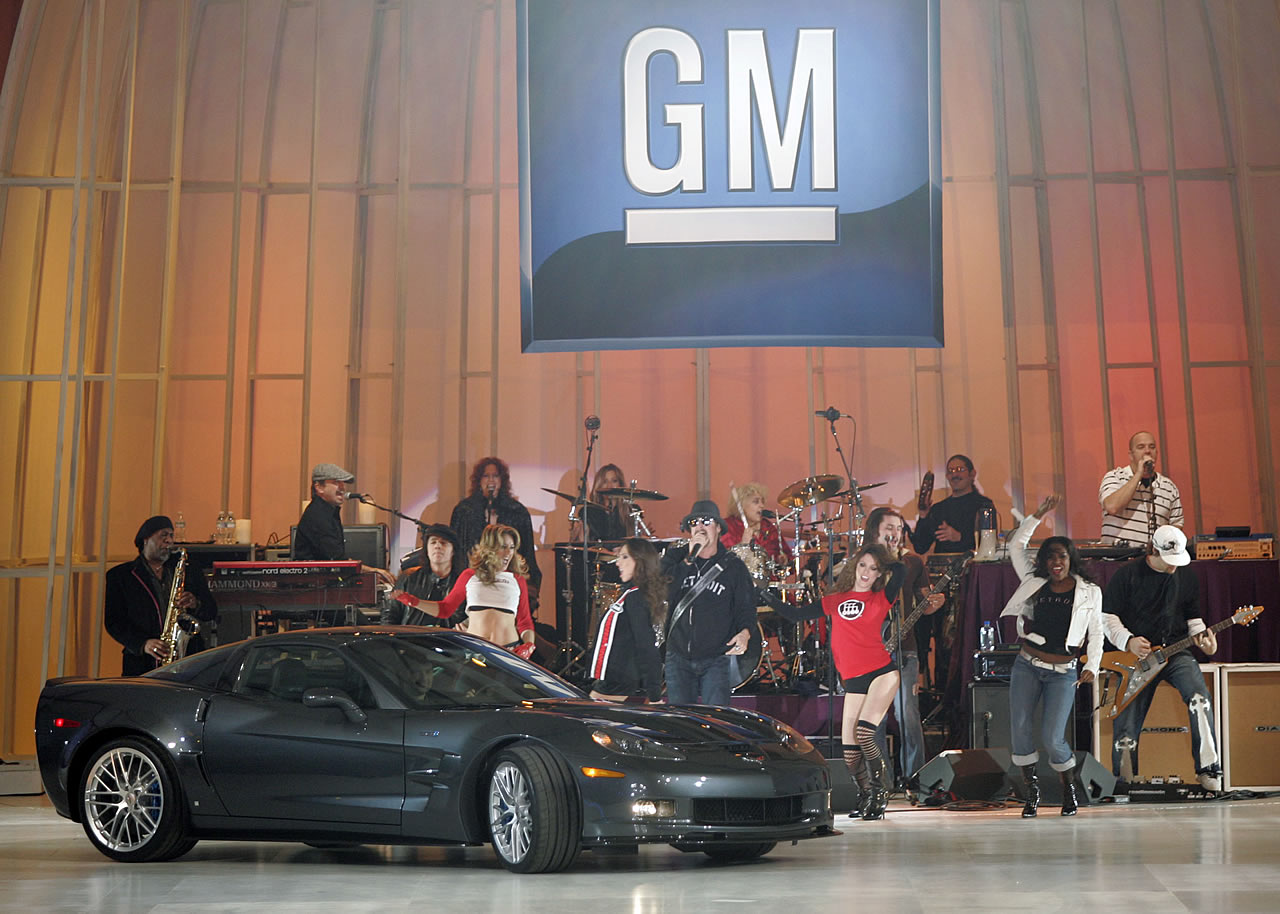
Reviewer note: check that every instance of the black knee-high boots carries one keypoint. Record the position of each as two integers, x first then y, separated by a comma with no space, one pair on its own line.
1032,782
878,799
858,771
1069,792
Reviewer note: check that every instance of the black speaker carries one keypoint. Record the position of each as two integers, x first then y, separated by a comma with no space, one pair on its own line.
989,716
966,774
1093,782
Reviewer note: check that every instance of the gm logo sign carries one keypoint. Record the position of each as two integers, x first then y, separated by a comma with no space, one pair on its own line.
729,173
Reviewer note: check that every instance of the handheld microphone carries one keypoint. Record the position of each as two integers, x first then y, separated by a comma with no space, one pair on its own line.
831,414
592,423
765,512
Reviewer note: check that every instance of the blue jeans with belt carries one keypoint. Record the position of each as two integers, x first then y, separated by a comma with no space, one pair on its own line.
1030,685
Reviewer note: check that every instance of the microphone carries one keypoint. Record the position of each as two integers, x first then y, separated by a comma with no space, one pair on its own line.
831,414
358,496
765,512
592,423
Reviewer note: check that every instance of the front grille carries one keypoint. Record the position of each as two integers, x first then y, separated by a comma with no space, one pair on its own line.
740,811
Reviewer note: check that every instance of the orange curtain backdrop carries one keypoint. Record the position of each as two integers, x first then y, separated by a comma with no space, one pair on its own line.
241,238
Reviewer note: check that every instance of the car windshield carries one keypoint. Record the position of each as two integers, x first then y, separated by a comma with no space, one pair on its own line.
433,672
202,669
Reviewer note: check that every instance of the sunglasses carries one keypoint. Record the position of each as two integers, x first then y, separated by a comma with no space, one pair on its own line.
701,522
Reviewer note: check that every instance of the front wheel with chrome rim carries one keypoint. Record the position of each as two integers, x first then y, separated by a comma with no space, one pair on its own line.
132,806
535,817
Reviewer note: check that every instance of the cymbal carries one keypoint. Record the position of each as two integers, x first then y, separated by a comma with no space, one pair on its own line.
572,498
810,491
633,494
871,485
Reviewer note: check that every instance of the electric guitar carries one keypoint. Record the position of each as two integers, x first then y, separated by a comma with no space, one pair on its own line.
944,580
1135,675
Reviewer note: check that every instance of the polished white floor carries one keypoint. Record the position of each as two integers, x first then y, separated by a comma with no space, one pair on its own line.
1213,856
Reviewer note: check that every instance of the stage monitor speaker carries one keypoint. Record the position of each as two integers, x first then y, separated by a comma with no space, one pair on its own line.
366,542
989,716
1251,726
1164,748
1094,783
966,774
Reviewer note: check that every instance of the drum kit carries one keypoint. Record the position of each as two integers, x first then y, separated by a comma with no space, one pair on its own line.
783,651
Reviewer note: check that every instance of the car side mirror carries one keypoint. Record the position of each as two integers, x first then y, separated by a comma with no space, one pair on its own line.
335,698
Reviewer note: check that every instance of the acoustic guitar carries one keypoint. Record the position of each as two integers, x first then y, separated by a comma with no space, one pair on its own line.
1136,674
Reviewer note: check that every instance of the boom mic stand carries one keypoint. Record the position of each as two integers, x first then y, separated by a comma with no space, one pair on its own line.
570,651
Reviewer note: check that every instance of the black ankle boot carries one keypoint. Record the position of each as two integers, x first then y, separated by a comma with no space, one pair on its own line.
878,798
1069,792
1032,782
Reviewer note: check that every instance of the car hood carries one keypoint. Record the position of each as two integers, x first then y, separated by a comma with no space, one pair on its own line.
684,725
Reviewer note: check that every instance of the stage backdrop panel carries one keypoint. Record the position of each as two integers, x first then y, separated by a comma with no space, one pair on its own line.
729,173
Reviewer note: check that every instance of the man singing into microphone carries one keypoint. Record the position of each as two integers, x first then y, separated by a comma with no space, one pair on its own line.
1136,500
490,502
319,536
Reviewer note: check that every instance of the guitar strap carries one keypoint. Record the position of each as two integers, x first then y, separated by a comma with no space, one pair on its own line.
703,582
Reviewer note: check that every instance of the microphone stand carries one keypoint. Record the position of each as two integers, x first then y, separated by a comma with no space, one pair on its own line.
571,651
858,518
366,500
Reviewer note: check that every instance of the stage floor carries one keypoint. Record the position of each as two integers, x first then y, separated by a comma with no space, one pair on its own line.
1208,856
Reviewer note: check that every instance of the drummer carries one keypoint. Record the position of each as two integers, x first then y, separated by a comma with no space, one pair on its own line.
749,524
606,515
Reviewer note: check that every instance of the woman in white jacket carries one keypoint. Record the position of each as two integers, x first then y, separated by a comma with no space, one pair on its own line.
1058,607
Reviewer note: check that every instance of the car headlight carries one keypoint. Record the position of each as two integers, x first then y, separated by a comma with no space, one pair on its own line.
639,746
792,738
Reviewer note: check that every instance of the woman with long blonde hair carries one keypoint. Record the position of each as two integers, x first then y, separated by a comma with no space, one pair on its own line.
495,592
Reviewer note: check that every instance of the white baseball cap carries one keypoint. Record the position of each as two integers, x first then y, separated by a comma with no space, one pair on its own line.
1171,545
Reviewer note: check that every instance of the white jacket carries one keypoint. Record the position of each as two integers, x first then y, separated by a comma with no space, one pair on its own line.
1086,611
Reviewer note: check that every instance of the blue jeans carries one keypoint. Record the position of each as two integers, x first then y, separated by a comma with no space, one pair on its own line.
1030,685
688,679
1183,673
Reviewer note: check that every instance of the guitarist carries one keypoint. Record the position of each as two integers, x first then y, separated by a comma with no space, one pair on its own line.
886,527
1149,602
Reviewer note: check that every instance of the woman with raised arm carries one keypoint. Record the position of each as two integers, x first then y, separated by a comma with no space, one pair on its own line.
1058,607
861,600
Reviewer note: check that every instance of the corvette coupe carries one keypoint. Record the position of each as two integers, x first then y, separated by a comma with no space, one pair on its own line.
391,735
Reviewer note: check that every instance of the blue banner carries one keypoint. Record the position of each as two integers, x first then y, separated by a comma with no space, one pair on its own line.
729,173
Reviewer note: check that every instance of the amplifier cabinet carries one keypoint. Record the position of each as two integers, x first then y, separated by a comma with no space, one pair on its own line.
1251,725
1164,748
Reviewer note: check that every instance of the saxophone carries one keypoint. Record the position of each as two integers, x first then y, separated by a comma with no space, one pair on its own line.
178,626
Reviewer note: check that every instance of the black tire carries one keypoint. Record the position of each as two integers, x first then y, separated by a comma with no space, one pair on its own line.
728,852
132,806
535,816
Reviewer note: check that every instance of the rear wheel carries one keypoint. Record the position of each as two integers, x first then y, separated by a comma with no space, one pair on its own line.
132,804
535,817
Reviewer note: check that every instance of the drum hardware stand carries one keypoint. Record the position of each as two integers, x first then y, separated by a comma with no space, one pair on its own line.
570,651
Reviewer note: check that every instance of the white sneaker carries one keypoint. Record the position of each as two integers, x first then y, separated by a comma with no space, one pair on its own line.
1210,781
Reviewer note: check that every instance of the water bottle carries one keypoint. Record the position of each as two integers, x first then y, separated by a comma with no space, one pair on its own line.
220,529
987,637
231,528
180,529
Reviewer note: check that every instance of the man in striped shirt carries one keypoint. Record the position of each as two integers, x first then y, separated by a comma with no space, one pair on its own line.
1136,500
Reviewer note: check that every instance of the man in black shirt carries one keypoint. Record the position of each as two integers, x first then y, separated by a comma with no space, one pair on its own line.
949,525
319,536
431,577
713,611
1153,601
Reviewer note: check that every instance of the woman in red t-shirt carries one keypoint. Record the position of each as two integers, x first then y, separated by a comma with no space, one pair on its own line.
858,606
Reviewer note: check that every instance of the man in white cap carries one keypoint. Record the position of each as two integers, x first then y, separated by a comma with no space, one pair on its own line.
1151,602
319,536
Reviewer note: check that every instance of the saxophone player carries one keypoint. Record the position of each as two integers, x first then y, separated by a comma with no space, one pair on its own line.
137,594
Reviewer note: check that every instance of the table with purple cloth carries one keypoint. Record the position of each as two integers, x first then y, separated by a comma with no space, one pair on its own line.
1225,586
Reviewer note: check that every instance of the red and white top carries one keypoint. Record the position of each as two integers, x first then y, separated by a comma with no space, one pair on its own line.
857,619
508,593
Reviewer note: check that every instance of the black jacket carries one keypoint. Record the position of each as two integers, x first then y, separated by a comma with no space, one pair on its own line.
319,537
961,512
717,613
468,521
134,607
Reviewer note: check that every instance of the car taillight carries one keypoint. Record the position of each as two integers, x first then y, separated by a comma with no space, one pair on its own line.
65,722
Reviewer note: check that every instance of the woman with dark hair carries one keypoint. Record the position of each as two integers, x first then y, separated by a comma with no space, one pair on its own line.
490,502
1058,606
608,521
626,659
494,591
861,600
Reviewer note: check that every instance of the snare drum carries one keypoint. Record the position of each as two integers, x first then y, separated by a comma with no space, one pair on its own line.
757,561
